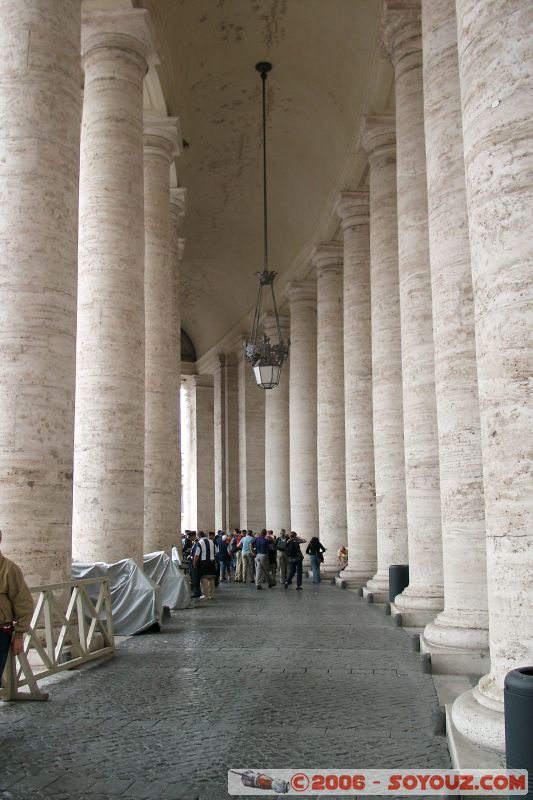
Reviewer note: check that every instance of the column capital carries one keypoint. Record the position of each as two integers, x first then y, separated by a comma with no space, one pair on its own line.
401,29
178,198
200,381
328,256
353,208
161,136
301,292
226,360
129,30
268,323
378,133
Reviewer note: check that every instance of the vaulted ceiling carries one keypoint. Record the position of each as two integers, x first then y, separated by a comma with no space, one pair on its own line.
328,70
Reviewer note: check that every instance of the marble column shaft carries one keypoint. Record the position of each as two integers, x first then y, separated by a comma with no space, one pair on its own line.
219,410
227,442
251,447
464,621
302,408
353,209
277,462
424,596
161,443
201,454
109,429
495,43
40,116
379,141
177,245
328,260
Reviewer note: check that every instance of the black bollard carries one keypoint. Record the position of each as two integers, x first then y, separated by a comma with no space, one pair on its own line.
398,579
518,705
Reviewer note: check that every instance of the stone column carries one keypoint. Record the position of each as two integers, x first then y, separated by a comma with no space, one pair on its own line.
227,511
185,451
379,141
463,625
353,210
423,598
251,446
219,409
40,103
109,432
277,467
331,472
161,443
302,408
495,45
201,454
177,245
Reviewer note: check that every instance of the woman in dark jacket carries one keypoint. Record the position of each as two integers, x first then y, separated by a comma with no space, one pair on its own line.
314,550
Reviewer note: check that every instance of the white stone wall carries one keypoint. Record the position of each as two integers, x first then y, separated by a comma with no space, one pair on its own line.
353,209
277,462
40,104
379,141
496,78
424,596
328,260
109,430
303,409
251,448
464,621
161,443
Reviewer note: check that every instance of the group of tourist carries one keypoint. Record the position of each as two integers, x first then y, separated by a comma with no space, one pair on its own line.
261,559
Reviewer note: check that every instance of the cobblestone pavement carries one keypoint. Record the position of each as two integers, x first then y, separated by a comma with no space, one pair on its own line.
275,679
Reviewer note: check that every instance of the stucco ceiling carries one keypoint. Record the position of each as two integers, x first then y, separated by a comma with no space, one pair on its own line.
324,54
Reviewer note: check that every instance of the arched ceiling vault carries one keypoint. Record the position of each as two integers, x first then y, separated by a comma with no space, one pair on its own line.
327,72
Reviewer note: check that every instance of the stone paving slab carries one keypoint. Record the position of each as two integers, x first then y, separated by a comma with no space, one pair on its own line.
253,679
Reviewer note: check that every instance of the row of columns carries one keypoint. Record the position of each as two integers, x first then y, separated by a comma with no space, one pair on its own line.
92,221
409,401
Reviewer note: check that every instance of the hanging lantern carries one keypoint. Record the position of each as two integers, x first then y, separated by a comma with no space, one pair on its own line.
265,357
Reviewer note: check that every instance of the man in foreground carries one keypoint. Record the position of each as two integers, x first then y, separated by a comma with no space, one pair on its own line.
16,609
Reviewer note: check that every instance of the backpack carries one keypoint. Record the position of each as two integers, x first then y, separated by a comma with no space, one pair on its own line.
292,548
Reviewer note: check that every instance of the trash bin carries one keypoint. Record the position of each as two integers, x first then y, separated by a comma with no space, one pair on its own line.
518,705
398,579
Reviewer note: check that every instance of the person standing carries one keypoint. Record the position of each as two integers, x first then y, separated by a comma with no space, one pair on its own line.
272,558
16,609
205,564
262,565
281,543
224,558
314,550
295,556
247,558
237,539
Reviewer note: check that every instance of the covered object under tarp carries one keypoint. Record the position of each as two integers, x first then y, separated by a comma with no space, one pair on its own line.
175,591
135,599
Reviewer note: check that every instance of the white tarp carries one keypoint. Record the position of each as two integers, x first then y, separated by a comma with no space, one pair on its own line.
135,599
175,590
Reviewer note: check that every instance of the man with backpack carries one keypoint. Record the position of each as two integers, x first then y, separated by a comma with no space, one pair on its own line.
281,544
295,557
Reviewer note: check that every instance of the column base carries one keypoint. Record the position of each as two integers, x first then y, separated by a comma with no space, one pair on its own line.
411,618
418,607
465,754
480,720
354,579
380,596
455,660
379,584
